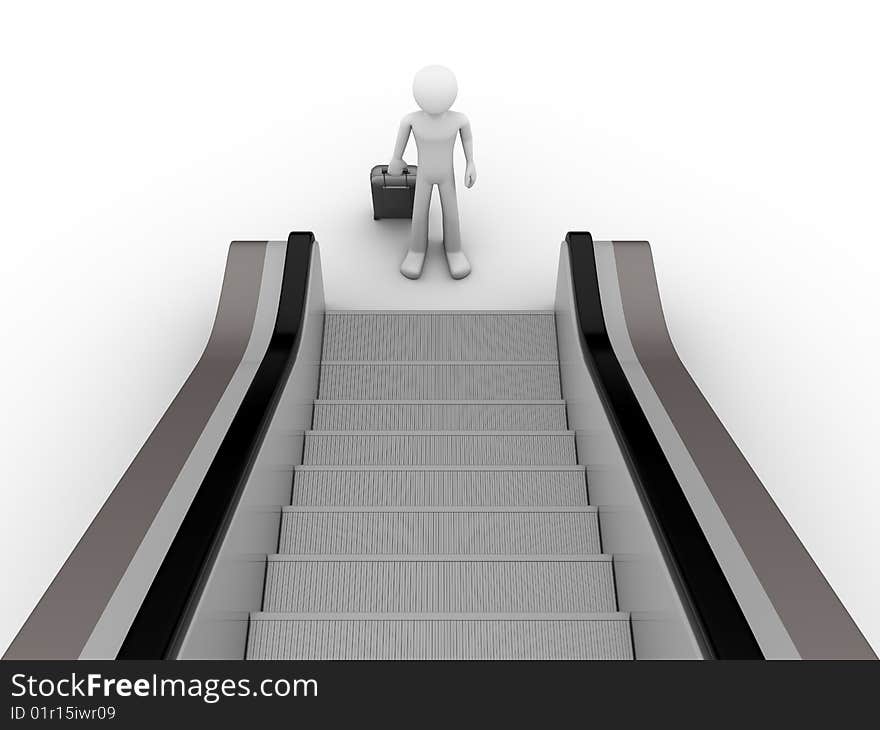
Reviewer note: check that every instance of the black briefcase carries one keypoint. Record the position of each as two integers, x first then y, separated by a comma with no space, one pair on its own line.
393,195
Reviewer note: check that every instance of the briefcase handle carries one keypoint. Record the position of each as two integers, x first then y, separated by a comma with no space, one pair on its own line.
405,173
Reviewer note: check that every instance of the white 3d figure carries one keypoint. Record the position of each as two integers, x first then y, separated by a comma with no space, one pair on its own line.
435,129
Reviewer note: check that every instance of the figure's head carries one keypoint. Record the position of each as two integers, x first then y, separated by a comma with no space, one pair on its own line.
435,88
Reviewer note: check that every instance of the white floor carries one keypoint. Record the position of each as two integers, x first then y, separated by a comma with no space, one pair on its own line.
361,257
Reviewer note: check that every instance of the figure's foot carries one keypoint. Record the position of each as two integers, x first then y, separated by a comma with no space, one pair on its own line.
412,265
459,266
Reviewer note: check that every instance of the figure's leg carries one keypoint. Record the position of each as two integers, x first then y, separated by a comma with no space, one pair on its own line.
412,265
459,266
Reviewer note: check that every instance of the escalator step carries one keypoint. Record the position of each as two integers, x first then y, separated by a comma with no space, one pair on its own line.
451,486
439,336
403,584
401,448
439,636
439,381
440,415
439,531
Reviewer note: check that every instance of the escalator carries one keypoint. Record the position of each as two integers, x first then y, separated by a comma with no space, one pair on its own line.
439,485
440,511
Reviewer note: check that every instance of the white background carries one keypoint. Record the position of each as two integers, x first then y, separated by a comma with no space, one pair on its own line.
740,140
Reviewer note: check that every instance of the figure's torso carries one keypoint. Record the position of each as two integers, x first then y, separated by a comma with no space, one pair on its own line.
435,140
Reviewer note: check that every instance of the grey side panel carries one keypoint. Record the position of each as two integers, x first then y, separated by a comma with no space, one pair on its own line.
811,613
660,626
106,640
219,624
756,606
68,612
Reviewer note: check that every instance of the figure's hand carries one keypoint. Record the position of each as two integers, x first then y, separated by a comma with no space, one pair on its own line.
470,175
396,167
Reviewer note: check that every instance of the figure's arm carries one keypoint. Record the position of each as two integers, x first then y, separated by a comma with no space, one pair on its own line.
467,141
396,166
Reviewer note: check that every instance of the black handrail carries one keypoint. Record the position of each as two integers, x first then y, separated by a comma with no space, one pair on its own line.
166,606
724,630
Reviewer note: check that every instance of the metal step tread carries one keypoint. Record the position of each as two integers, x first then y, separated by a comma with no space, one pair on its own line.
446,335
580,468
440,363
455,312
429,415
439,636
426,616
439,414
441,508
430,585
468,530
439,447
421,434
350,402
439,381
445,485
402,557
